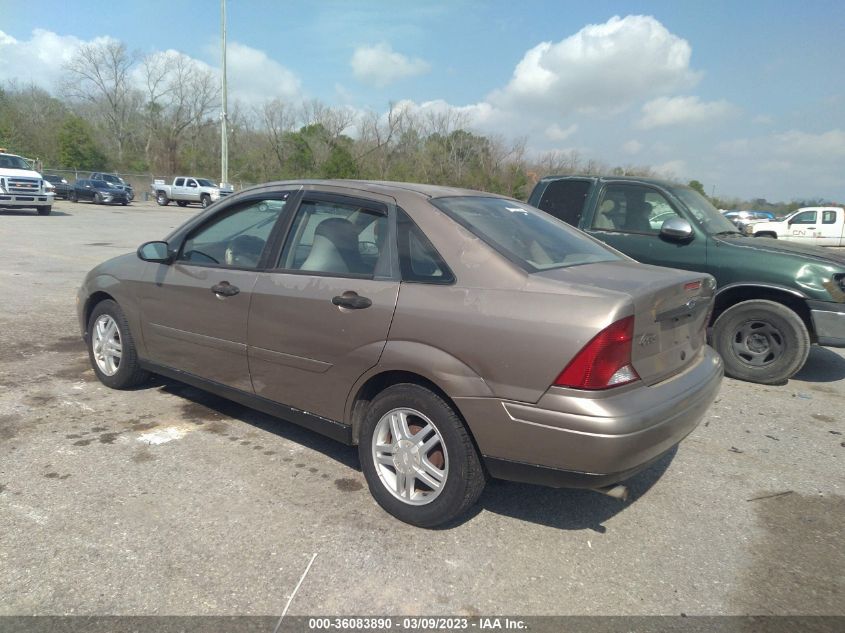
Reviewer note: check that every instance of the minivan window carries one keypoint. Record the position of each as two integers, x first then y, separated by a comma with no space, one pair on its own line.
528,237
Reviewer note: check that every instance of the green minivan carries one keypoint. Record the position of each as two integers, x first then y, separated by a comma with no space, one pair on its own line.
774,299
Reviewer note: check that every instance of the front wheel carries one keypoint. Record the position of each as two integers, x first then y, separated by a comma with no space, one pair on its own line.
73,197
162,199
44,210
417,456
205,200
111,348
761,341
98,199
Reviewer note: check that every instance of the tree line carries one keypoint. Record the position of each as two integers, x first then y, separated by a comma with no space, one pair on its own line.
115,110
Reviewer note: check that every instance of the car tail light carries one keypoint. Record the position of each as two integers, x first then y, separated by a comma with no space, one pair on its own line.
605,361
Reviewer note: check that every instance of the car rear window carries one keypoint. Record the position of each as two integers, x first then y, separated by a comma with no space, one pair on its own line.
528,237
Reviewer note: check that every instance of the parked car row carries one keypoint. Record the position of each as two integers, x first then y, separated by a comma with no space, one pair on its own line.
363,311
100,188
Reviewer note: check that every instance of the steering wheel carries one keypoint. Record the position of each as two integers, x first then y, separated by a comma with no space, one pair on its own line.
195,256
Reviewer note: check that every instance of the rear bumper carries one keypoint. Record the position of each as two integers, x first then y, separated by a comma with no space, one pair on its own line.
829,322
572,438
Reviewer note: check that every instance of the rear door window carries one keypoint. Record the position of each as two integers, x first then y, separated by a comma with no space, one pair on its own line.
829,217
565,199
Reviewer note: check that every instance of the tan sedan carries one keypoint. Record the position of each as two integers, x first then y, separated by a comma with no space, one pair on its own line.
452,335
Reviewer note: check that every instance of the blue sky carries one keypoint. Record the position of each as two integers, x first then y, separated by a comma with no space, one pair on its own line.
747,97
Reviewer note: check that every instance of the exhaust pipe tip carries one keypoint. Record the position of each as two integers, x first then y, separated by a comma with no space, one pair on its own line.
617,491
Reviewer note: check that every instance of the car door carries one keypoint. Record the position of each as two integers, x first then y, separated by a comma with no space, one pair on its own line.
628,216
830,228
84,190
178,190
803,228
195,310
192,190
321,318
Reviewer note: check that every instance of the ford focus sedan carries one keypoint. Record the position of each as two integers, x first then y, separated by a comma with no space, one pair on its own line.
451,335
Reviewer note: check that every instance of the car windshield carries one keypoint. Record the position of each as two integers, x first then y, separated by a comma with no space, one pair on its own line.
101,184
13,162
205,183
528,237
704,213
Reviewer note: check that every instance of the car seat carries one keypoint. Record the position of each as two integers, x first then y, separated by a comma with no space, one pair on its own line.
335,248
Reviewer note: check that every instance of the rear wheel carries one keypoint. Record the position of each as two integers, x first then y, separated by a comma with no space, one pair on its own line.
418,458
761,341
72,196
162,199
111,348
44,210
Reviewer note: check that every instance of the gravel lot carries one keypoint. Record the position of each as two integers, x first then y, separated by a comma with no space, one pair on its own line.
169,501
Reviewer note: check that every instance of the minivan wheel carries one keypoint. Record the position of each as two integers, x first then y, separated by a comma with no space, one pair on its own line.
761,341
418,458
111,348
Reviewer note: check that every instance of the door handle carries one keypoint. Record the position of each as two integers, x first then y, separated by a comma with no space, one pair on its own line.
352,301
225,289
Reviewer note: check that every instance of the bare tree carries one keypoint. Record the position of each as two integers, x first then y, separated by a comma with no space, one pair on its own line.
99,74
181,95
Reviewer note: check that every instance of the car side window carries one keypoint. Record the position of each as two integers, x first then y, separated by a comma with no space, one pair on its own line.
419,261
236,237
179,182
632,209
335,239
828,217
565,199
805,217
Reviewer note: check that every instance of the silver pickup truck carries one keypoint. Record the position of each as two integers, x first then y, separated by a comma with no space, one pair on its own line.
187,189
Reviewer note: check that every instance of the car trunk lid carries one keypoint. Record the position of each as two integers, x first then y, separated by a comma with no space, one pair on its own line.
671,309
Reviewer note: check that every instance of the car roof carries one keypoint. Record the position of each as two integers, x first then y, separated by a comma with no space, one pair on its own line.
388,188
633,179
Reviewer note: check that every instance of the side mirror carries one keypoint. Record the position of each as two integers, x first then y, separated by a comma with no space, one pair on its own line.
158,252
676,229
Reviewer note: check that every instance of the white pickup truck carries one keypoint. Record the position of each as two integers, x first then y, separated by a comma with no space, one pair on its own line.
21,187
187,189
821,226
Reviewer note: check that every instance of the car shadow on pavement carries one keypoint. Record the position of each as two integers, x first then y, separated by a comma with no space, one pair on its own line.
29,212
202,407
823,365
567,508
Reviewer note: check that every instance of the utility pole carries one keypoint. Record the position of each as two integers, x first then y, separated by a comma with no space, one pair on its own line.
224,135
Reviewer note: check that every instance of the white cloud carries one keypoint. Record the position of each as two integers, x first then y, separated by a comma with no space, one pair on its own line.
555,133
665,111
603,68
39,59
632,147
380,65
253,77
824,146
672,169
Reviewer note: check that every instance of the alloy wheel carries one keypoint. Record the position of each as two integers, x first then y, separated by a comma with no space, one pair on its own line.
107,345
410,456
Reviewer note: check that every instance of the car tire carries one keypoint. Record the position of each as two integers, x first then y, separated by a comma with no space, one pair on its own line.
98,199
44,210
761,341
124,372
181,203
425,420
73,197
205,200
124,203
162,199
